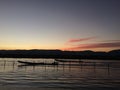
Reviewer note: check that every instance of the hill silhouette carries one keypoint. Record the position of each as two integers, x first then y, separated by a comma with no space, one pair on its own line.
114,54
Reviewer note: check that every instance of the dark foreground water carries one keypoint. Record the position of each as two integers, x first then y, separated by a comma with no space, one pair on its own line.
86,74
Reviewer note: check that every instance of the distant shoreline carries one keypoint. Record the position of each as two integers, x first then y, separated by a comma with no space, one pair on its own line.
111,55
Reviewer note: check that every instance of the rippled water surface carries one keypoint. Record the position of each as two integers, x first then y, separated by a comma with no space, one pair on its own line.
100,73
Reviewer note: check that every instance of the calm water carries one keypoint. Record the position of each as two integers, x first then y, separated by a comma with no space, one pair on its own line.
89,73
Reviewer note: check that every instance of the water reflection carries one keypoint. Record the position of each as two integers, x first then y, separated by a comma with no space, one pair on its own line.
88,73
6,66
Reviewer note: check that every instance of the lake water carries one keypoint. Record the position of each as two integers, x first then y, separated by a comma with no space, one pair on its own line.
89,73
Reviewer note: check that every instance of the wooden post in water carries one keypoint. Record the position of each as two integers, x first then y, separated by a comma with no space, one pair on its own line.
69,65
33,67
13,64
45,65
94,64
4,64
45,69
63,66
79,61
108,65
81,66
57,66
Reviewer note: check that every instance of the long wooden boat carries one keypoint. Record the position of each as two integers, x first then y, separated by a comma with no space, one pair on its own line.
68,60
35,63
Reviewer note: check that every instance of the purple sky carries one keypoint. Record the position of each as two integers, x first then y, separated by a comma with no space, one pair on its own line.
50,24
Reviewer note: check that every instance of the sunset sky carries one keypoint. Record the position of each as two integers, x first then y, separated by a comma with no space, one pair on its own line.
60,24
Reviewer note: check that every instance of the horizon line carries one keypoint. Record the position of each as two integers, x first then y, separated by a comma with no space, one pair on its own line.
55,49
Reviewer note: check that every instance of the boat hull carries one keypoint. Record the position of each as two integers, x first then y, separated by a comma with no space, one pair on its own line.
33,63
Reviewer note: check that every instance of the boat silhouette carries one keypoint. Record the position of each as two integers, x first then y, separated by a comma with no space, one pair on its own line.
35,63
68,60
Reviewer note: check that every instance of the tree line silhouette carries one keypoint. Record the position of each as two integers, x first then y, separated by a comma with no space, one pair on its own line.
114,54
